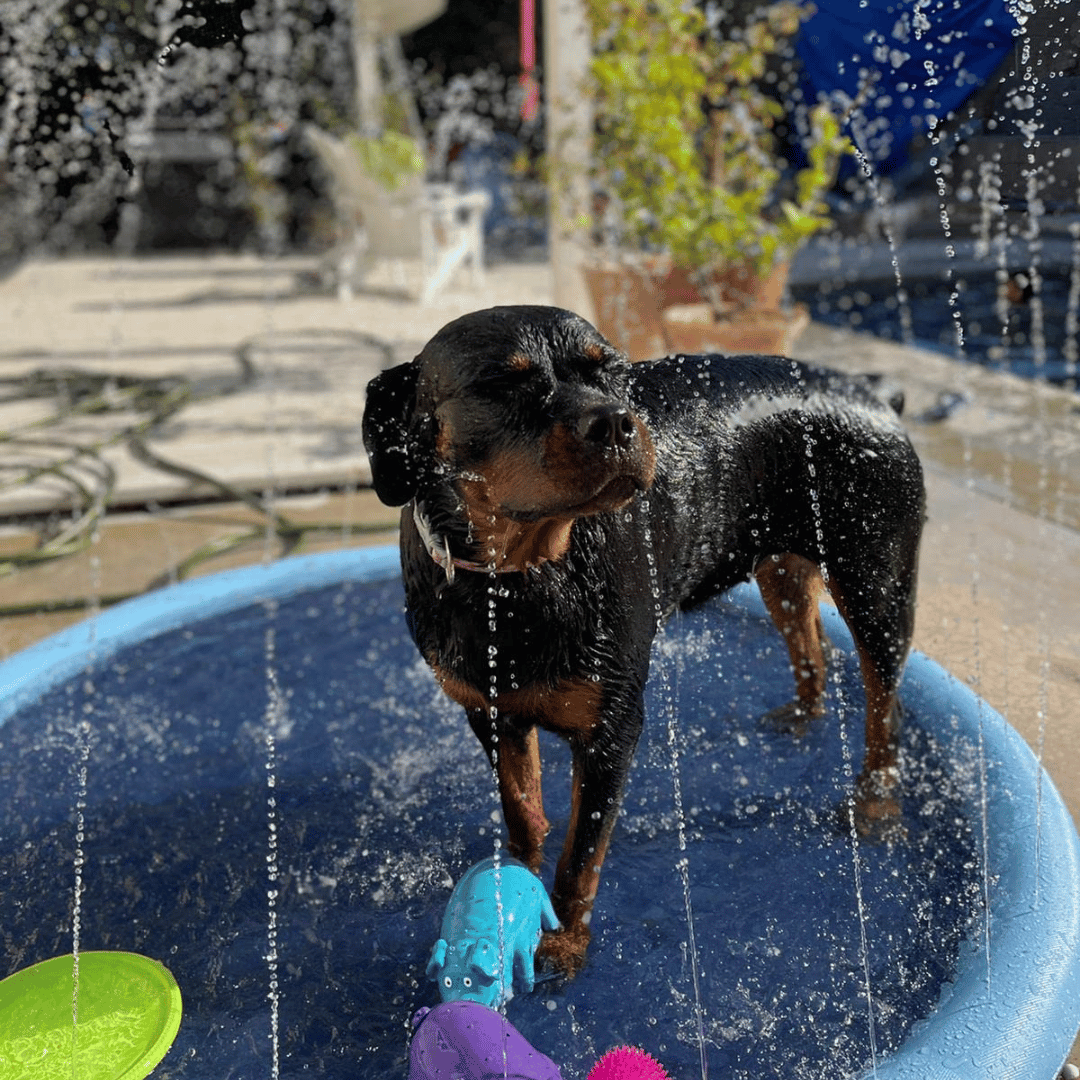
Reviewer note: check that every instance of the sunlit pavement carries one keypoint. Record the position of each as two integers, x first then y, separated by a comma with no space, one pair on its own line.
1001,557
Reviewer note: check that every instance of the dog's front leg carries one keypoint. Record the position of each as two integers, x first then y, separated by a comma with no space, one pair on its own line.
514,752
601,762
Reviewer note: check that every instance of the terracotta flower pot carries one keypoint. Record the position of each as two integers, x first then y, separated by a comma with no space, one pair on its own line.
632,295
742,287
693,328
626,300
628,296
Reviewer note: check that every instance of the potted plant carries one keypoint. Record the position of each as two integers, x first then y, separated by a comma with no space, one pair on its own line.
685,164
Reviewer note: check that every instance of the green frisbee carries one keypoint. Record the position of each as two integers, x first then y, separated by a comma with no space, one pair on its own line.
117,1024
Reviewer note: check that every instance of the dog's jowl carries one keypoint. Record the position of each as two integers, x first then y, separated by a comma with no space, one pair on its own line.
521,443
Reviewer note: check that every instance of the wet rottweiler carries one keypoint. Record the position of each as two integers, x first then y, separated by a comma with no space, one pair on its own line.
560,502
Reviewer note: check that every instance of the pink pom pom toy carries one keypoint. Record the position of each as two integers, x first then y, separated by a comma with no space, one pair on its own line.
627,1063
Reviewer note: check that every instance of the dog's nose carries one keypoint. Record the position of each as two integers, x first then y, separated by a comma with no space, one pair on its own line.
611,426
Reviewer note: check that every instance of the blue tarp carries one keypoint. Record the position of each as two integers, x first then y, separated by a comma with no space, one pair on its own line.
909,64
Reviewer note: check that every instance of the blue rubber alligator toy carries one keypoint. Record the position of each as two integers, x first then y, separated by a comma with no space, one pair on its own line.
472,961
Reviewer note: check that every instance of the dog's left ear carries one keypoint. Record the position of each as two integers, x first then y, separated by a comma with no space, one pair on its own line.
388,415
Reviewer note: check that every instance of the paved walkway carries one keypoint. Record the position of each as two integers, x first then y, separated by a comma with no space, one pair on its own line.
276,371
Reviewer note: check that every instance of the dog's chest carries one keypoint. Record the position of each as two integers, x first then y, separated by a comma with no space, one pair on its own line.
576,620
490,631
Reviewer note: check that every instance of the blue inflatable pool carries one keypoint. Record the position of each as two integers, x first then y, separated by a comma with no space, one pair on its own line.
268,740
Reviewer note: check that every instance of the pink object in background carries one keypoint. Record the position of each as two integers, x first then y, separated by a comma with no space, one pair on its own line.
627,1063
530,102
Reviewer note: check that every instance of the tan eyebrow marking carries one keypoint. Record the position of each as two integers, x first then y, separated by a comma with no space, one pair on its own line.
519,362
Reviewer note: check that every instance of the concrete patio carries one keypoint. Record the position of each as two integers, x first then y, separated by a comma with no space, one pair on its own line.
274,374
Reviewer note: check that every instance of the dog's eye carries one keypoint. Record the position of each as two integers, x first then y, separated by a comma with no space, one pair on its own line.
507,378
598,368
502,381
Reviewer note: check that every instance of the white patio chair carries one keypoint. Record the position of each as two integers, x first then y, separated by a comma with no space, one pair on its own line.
441,226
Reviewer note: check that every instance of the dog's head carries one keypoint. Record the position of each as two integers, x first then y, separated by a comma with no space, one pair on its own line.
522,410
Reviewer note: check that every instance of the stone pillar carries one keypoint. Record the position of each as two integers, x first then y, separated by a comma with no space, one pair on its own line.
568,134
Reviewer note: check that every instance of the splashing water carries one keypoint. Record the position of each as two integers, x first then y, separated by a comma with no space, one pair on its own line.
275,724
856,869
955,314
670,696
841,720
1031,125
987,189
83,732
1072,310
882,203
493,591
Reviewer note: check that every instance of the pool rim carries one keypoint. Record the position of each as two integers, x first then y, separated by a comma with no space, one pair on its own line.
1020,1023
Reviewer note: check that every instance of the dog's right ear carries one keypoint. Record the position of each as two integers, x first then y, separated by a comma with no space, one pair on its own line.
388,415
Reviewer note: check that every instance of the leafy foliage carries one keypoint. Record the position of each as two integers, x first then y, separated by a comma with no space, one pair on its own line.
685,140
390,158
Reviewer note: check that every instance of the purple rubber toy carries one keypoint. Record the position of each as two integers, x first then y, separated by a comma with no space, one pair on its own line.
464,1040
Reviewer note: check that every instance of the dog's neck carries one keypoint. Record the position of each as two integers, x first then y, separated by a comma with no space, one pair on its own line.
438,547
513,548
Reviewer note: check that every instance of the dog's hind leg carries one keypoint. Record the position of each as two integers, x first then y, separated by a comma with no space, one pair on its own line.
790,586
880,613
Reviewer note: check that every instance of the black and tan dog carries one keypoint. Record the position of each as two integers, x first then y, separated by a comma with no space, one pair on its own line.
560,501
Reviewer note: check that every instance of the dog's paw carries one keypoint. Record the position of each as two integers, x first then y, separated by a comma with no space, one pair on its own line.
793,717
563,951
875,808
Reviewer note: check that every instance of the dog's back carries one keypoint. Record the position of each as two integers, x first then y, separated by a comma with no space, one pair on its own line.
758,455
